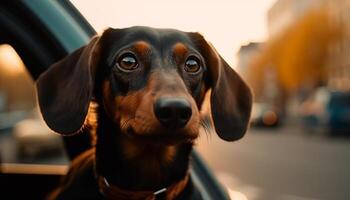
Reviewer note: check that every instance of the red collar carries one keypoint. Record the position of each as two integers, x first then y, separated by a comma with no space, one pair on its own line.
112,192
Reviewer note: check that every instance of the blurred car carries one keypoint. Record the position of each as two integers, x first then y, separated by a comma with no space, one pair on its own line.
327,111
264,115
43,32
9,119
312,111
34,139
338,111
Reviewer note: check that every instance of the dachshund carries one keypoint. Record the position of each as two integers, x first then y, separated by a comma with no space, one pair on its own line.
148,86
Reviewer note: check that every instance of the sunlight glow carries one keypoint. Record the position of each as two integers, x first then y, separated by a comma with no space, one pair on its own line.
235,195
10,62
226,23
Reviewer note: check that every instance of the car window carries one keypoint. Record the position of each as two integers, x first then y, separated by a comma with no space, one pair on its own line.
24,137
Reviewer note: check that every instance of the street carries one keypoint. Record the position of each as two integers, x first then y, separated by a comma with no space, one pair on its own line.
281,164
271,164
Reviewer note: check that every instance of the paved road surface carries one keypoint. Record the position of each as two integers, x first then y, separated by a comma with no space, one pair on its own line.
281,164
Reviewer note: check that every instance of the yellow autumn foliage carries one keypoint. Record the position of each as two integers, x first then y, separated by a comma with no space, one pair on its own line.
299,55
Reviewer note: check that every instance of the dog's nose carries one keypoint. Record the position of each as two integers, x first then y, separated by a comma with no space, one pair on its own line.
173,112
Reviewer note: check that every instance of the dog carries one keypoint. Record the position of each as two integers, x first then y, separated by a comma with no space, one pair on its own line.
149,86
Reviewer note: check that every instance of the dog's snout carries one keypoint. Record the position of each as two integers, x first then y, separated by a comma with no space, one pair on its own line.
173,112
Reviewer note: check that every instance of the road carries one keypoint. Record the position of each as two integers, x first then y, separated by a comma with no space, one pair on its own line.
271,164
281,164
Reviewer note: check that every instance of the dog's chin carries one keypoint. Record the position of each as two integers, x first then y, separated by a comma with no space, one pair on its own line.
163,137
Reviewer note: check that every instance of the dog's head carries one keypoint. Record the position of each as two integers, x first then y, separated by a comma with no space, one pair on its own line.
151,84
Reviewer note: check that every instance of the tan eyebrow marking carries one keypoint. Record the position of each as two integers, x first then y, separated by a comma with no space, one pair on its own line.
141,46
180,49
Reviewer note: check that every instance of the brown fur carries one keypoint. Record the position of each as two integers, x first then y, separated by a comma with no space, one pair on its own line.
134,149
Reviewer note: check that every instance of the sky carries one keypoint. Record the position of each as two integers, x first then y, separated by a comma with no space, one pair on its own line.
227,24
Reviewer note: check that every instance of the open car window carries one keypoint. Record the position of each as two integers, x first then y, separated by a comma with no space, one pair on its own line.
24,136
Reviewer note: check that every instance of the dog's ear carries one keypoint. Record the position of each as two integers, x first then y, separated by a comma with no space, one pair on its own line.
65,89
231,98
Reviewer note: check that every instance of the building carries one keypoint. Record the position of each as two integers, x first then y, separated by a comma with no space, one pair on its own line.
284,12
339,59
246,55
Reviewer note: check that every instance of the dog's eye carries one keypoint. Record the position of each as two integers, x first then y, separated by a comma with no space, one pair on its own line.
192,64
127,62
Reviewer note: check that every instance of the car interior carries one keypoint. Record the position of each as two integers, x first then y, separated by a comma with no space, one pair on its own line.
23,33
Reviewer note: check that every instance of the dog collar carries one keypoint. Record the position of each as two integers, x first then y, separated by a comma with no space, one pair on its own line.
112,192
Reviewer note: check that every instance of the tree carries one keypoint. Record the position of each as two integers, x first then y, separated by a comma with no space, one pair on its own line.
298,55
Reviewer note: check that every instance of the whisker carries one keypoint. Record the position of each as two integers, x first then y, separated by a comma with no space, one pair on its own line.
207,125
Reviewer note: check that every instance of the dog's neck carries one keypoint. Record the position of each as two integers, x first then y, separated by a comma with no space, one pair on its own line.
135,165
